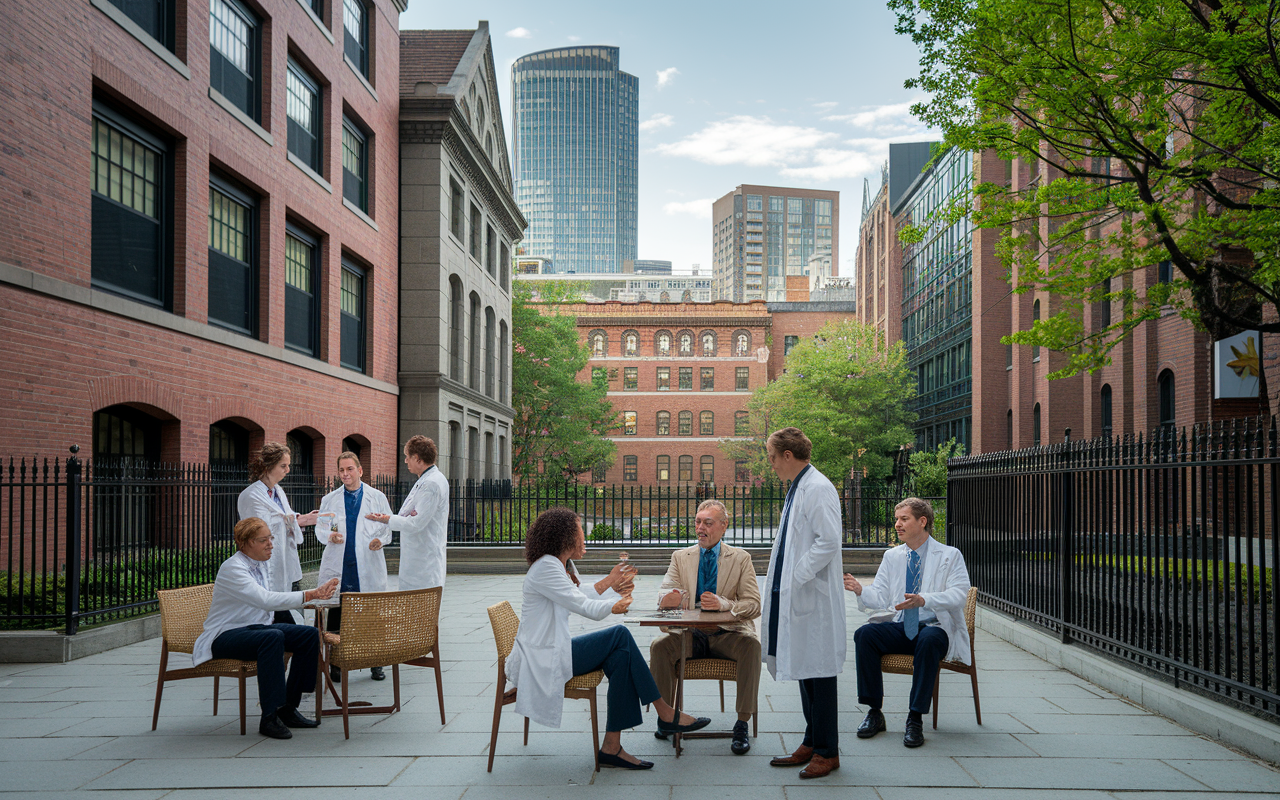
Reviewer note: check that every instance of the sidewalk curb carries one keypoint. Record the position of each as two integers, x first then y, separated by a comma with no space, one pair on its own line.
1202,715
52,647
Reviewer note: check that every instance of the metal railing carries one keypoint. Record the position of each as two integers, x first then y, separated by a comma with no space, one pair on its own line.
1158,551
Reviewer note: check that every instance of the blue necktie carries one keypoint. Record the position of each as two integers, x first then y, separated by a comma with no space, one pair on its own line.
707,572
911,617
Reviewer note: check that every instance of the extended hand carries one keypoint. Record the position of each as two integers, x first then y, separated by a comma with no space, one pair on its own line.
336,538
710,602
625,588
321,592
620,574
383,518
671,600
308,519
851,584
912,601
375,545
622,605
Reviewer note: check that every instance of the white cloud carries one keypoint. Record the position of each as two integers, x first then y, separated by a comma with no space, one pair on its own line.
754,141
827,106
575,38
657,121
891,120
698,209
666,76
520,33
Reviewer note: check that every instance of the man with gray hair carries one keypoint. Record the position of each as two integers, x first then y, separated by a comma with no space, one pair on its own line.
717,577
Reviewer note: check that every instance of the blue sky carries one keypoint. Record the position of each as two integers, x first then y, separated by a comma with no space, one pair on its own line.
780,93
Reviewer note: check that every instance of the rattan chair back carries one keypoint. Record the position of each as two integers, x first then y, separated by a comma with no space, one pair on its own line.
182,615
505,623
380,628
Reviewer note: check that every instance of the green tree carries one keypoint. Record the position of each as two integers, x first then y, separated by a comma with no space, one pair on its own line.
847,392
560,423
1151,128
929,470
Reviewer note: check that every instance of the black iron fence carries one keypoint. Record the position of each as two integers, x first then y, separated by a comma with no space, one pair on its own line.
88,542
1159,551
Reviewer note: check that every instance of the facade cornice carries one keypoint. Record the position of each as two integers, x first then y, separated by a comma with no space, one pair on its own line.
593,321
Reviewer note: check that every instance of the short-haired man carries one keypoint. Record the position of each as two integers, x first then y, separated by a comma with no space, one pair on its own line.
239,626
719,577
423,519
926,584
353,543
803,620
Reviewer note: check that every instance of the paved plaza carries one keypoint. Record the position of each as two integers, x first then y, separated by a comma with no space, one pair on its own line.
83,730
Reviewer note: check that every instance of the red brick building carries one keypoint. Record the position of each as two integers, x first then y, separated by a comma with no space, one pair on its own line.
198,230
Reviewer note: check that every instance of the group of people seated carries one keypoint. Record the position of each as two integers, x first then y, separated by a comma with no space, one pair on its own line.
917,600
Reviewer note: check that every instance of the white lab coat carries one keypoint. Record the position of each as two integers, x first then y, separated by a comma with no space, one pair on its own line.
811,619
284,567
423,535
944,587
239,601
371,564
541,662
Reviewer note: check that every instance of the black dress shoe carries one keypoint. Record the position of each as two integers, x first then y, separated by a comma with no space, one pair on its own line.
675,727
914,737
272,726
872,724
661,735
607,760
741,741
291,718
335,675
377,674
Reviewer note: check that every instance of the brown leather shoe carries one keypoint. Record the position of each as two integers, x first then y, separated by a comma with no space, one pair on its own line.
801,756
820,767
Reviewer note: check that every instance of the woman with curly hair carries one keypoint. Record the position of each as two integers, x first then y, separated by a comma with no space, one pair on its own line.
265,499
545,657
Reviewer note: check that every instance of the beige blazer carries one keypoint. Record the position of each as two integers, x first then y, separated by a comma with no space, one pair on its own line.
735,583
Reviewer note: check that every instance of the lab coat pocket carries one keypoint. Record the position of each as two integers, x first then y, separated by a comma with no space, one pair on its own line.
804,599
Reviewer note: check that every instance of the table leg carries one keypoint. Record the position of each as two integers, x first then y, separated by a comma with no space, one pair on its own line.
686,641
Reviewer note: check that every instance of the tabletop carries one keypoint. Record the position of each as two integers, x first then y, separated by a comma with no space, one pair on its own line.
686,618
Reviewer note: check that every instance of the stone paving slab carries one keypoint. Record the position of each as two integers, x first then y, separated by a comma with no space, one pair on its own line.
83,730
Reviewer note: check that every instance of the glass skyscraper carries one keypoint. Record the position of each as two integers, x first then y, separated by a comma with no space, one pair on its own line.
575,157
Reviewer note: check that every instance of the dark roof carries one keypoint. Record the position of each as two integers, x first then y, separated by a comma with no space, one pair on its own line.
430,56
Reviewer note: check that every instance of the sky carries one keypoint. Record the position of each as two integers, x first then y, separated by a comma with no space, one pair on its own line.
799,94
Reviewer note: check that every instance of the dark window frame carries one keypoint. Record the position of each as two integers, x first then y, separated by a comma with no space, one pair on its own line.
237,193
742,379
359,328
684,423
706,423
457,209
355,188
165,29
312,243
662,423
252,107
707,379
312,154
630,468
1105,412
357,47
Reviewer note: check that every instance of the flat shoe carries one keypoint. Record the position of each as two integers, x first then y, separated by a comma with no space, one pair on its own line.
377,674
820,767
673,727
914,735
292,719
661,735
802,755
872,724
607,760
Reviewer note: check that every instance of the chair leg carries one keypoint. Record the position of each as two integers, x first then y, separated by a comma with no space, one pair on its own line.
497,717
977,707
721,697
595,731
526,731
937,680
395,687
242,701
215,695
346,714
440,681
755,725
164,661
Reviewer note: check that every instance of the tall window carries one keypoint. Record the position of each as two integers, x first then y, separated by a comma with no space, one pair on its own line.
504,354
488,456
1104,410
789,342
629,423
686,469
1164,272
457,223
630,379
130,200
301,332
686,379
234,47
155,17
356,23
474,343
474,244
629,467
685,421
708,340
1035,425
490,251
1035,317
664,469
355,165
455,328
742,379
664,423
708,379
473,454
707,423
233,280
455,450
352,316
1008,430
598,473
490,357
1167,408
708,469
741,423
303,109
664,379
504,267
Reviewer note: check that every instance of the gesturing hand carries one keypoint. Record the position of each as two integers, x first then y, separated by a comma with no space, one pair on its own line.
375,545
622,605
336,538
308,519
710,601
912,601
384,518
323,592
851,584
671,600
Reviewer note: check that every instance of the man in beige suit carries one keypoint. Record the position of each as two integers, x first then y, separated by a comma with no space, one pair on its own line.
718,577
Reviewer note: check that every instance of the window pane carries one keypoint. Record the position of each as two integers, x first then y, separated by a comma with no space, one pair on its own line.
664,423
229,33
228,226
630,378
629,467
125,170
742,379
686,424
354,167
629,423
686,469
664,379
686,378
299,304
232,287
706,424
664,468
303,107
355,24
708,379
708,469
352,303
741,423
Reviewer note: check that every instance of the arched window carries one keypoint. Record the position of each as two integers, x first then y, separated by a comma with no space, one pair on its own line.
685,341
664,423
455,328
1035,317
1035,425
1104,410
686,423
686,469
741,343
504,361
229,447
490,356
301,455
741,423
707,423
707,339
599,343
664,469
475,342
662,343
1168,409
126,445
630,343
708,472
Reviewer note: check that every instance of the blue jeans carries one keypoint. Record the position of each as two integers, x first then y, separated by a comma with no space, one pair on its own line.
630,682
267,645
883,638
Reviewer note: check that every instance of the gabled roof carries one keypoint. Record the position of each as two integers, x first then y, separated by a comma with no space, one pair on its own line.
430,56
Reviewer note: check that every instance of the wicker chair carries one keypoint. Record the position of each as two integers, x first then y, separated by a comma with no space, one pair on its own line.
580,687
717,669
380,628
182,615
905,665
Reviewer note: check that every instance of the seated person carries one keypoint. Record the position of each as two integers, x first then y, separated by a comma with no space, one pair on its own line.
927,584
544,656
239,626
720,578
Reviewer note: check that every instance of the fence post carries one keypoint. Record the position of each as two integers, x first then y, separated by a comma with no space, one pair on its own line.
73,542
1066,537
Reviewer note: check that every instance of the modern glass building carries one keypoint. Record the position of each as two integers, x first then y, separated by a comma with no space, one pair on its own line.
937,301
762,234
575,157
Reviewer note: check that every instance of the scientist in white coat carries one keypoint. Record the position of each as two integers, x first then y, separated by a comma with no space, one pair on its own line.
266,500
544,656
921,586
802,622
353,543
423,520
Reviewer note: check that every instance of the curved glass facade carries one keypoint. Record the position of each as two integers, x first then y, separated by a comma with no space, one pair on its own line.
575,158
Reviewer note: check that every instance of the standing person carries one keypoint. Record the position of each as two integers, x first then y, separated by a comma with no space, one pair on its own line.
544,656
423,519
721,578
927,584
353,543
239,626
266,500
803,636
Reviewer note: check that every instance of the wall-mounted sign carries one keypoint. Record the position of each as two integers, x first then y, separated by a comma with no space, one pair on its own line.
1237,366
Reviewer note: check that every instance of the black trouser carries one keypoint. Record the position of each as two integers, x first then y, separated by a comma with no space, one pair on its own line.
821,730
884,638
267,645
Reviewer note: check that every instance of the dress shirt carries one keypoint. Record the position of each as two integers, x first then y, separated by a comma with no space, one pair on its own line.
708,585
240,599
927,617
